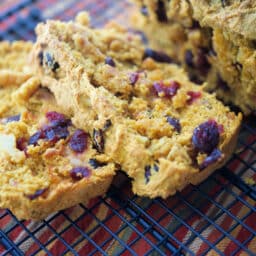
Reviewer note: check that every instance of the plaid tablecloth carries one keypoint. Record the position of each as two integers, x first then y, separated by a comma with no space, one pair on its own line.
216,217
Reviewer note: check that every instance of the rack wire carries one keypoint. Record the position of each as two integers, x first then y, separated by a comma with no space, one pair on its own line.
216,218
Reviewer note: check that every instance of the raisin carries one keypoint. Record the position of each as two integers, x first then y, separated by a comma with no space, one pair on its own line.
78,141
147,173
38,193
95,163
80,172
212,158
157,56
98,140
175,123
21,144
206,136
15,118
161,12
133,78
109,61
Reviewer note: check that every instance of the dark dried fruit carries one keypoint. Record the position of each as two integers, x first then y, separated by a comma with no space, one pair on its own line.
156,167
157,56
212,158
98,140
144,10
193,96
107,124
109,61
78,141
41,58
202,62
161,12
206,137
38,193
222,84
134,78
189,58
95,163
169,90
175,123
21,144
15,118
50,62
54,133
147,173
54,116
80,172
35,137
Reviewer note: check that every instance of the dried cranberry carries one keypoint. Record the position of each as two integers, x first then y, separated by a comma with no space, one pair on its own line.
78,141
168,90
54,116
77,173
35,138
206,136
175,123
98,140
157,56
212,158
161,12
193,96
95,163
147,173
109,61
134,78
21,144
15,118
38,193
54,133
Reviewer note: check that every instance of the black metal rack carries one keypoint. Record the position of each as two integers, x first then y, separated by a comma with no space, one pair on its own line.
216,214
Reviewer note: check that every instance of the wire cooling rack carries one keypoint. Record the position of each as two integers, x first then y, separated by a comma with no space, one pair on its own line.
216,218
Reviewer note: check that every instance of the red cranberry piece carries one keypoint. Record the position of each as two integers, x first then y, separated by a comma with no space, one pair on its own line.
175,123
109,61
157,56
38,193
206,136
21,144
77,173
193,96
212,158
78,141
134,78
15,118
147,173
